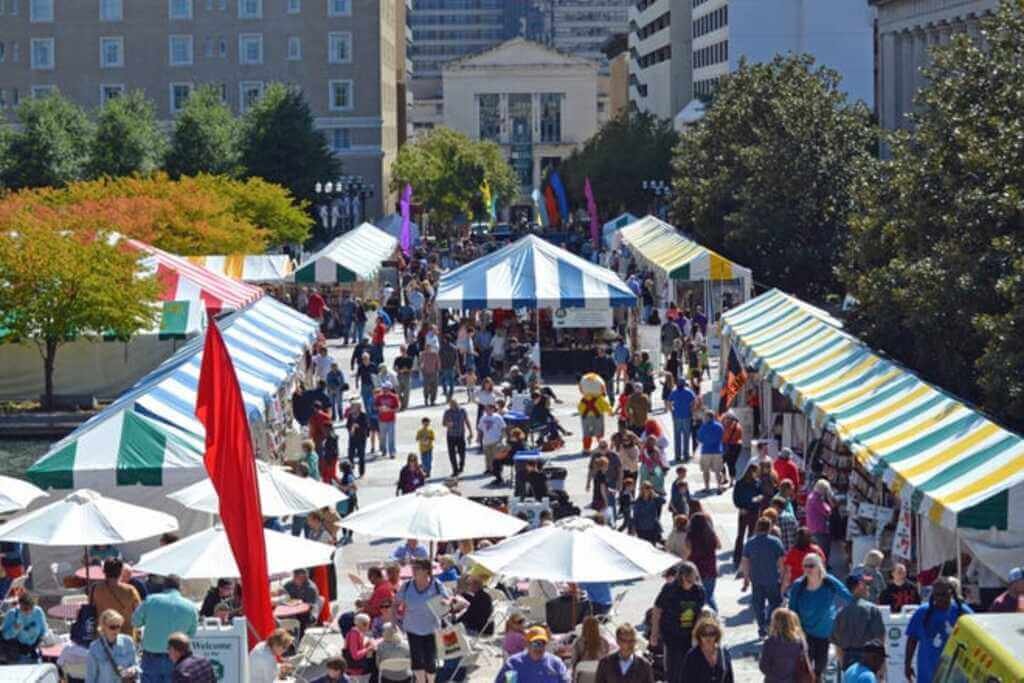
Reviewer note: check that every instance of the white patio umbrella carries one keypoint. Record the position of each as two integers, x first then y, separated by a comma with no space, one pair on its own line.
207,555
16,494
574,549
87,518
281,493
432,513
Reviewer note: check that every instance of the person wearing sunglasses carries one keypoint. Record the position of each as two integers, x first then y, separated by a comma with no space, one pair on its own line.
624,666
112,655
813,597
707,661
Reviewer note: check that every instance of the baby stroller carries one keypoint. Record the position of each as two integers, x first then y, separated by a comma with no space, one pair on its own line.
549,436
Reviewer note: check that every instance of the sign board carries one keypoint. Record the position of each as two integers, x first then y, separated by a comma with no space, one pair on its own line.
227,648
649,337
903,538
896,642
582,317
876,512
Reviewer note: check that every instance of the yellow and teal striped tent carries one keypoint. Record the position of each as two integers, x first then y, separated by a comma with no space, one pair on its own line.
956,466
660,246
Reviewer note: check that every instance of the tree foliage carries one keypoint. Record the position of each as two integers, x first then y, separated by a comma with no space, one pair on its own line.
446,170
59,282
201,215
128,139
281,145
936,260
767,176
631,148
206,137
51,146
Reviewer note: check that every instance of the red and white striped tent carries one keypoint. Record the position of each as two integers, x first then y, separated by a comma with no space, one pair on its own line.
183,280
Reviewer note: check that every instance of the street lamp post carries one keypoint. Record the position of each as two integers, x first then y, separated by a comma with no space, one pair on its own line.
662,192
342,203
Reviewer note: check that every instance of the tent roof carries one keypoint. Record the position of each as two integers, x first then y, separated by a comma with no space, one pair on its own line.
532,273
356,255
949,460
660,245
248,267
265,342
182,280
609,228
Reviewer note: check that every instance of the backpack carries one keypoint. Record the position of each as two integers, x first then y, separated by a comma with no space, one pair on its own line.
83,631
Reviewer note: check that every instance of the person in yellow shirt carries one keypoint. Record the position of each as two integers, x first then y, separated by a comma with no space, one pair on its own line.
113,593
425,439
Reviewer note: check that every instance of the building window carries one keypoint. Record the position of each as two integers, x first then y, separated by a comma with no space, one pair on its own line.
340,96
39,10
250,9
339,48
3,93
339,8
250,48
15,52
294,6
249,93
551,117
14,13
111,52
490,118
180,9
42,90
42,53
294,48
180,48
3,51
520,114
111,10
110,91
180,93
339,139
222,46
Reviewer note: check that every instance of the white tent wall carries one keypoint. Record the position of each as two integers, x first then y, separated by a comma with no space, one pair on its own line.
94,368
152,497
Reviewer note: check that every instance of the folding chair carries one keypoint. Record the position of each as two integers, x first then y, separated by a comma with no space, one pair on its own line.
613,613
399,666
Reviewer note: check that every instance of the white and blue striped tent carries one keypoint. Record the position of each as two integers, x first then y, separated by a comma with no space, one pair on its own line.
532,273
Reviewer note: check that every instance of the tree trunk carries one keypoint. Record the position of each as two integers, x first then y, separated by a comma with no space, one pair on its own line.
48,362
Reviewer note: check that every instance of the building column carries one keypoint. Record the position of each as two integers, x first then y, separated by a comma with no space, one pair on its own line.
888,73
921,60
909,75
506,124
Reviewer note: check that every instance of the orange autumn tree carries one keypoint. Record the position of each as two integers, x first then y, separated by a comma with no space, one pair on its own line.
189,216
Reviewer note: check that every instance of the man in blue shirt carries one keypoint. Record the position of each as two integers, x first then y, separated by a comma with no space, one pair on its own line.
600,595
682,398
710,437
534,665
929,630
162,615
870,664
762,568
409,551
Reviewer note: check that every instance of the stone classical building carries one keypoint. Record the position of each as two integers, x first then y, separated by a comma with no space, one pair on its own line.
907,30
347,56
539,104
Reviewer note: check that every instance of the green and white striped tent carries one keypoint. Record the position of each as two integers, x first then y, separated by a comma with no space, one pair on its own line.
356,255
956,467
123,448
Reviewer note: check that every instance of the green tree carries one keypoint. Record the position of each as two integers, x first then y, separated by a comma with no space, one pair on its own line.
206,137
936,256
280,144
264,205
128,138
59,284
767,176
631,148
52,145
446,170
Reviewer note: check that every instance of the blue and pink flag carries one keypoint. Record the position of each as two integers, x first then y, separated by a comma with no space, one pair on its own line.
406,206
595,225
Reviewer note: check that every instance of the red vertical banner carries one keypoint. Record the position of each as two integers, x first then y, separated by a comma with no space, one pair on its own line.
231,464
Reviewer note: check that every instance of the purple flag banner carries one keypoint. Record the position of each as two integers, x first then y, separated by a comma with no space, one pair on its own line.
595,225
406,206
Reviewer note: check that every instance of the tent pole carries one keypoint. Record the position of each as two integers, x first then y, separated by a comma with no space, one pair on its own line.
959,561
537,311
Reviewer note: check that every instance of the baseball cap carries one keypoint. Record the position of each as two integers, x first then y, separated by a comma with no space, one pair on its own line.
1016,574
536,633
856,577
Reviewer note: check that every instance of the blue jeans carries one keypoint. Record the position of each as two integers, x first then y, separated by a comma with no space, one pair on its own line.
427,460
337,399
156,668
448,382
709,591
681,429
358,330
366,393
387,438
764,599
